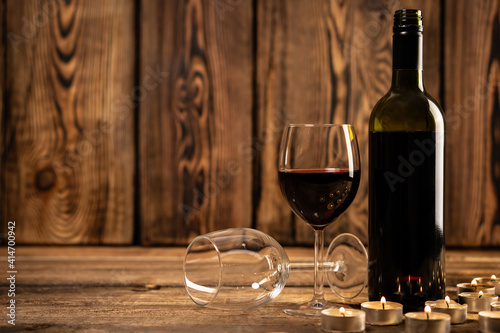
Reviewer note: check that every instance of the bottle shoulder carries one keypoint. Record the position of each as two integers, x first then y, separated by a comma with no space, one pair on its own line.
407,111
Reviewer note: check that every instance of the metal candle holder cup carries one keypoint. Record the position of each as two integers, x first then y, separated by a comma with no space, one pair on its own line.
477,301
383,313
456,311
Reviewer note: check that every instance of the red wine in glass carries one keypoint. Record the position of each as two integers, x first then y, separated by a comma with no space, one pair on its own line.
319,173
319,196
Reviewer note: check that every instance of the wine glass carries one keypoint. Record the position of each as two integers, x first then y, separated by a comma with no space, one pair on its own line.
235,269
319,174
243,268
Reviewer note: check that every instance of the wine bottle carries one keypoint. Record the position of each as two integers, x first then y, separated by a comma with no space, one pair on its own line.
406,176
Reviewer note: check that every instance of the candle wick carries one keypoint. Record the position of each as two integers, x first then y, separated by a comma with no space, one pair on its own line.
427,316
447,305
480,295
383,306
343,314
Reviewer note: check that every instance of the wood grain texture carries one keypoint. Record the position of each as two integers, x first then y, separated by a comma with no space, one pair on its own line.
122,309
195,170
139,266
2,111
69,144
472,108
216,81
132,309
326,61
115,289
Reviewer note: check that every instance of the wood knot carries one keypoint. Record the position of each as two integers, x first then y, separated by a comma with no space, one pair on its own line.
45,179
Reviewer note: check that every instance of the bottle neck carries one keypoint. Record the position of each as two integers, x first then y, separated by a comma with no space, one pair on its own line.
407,79
407,68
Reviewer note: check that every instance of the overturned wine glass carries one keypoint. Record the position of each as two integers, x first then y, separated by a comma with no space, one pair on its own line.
243,268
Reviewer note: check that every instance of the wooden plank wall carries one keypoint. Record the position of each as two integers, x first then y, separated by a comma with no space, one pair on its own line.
345,70
2,115
194,175
181,105
69,138
471,99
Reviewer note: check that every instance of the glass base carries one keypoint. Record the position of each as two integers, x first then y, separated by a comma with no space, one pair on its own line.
349,274
312,308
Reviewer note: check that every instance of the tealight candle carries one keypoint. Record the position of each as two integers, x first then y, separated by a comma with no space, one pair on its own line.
457,312
342,320
475,286
427,321
489,321
443,301
491,281
495,306
477,301
383,312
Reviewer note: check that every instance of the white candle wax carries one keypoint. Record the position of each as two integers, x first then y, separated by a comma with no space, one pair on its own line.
389,314
490,281
476,301
489,321
457,312
469,287
440,301
421,322
342,320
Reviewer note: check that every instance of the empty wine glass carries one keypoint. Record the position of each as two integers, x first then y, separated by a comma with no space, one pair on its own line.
242,268
235,269
319,174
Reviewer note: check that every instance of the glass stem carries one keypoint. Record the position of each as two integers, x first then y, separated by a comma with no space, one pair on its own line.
309,266
319,239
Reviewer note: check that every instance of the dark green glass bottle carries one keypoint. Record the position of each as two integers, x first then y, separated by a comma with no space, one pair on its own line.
406,180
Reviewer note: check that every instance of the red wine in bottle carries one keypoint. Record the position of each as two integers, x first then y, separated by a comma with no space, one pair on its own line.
319,196
406,180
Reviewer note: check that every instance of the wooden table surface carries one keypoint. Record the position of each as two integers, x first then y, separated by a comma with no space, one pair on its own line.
122,289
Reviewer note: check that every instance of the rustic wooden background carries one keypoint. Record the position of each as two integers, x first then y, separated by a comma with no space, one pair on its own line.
149,122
